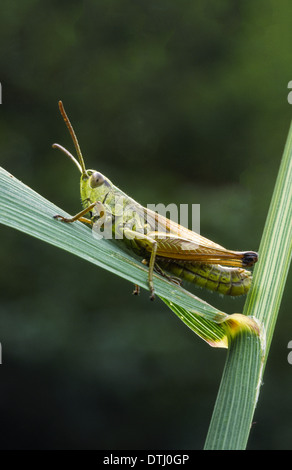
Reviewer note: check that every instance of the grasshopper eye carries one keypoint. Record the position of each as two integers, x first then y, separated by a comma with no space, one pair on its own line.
96,180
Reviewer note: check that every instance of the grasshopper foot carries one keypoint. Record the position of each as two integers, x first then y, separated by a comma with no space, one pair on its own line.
63,219
176,280
136,290
152,295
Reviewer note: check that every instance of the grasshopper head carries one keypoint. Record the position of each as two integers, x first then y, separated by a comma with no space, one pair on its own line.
93,185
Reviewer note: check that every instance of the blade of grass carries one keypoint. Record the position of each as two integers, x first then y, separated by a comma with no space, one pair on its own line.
247,355
25,210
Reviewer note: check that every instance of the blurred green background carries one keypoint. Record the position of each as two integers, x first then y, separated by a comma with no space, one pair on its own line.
176,102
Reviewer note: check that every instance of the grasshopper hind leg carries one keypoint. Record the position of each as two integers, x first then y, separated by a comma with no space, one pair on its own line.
175,280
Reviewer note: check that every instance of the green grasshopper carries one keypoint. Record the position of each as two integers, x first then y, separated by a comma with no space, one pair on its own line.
163,244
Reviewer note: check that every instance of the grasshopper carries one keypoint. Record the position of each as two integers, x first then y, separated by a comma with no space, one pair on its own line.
163,244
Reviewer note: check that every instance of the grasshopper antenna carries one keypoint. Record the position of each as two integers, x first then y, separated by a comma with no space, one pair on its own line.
57,146
81,165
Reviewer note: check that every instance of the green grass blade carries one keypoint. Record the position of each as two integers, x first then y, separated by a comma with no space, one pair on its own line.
23,209
275,251
231,420
247,355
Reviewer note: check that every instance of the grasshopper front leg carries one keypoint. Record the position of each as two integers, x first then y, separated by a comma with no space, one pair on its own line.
98,206
78,216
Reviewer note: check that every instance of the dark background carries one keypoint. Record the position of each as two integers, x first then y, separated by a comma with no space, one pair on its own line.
176,102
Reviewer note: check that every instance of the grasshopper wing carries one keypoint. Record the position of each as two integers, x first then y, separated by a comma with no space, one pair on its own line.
177,242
